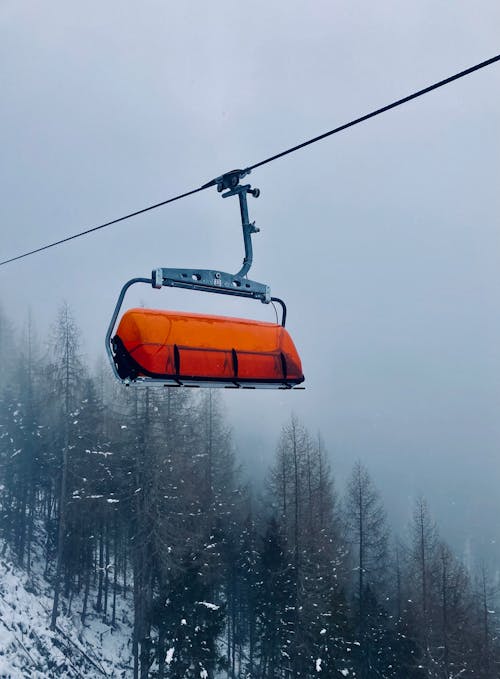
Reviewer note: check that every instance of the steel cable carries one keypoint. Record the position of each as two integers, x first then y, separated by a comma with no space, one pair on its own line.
313,140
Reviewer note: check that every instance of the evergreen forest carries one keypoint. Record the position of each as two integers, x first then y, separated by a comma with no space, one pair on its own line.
136,495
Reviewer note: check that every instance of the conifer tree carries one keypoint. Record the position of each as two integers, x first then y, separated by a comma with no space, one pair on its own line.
485,656
275,605
367,534
367,531
66,372
423,574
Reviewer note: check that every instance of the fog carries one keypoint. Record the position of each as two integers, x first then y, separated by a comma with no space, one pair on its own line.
383,240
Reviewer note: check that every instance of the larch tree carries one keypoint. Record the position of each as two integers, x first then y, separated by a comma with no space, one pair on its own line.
275,605
367,532
66,371
288,484
303,498
423,573
487,596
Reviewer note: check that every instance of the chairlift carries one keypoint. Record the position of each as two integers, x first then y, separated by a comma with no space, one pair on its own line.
179,349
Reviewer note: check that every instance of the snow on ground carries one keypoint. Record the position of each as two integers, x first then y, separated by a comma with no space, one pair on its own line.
28,648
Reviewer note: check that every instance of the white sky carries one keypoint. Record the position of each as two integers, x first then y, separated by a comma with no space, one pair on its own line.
384,240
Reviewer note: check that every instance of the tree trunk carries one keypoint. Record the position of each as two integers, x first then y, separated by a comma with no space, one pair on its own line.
106,573
62,527
86,592
100,567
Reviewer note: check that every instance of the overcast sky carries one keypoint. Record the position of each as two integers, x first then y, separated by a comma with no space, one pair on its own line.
383,240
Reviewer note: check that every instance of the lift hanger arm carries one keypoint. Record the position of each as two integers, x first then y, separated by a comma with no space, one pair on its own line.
219,281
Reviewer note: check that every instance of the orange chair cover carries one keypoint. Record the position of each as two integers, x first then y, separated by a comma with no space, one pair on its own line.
184,347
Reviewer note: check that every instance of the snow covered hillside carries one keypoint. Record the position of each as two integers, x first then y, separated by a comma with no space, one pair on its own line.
28,648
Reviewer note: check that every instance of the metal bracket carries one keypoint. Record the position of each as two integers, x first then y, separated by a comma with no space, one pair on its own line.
208,280
229,182
211,281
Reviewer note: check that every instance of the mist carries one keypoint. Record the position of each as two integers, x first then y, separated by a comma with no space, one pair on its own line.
382,240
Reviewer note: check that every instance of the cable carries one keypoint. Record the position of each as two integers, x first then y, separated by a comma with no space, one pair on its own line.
335,130
378,111
102,226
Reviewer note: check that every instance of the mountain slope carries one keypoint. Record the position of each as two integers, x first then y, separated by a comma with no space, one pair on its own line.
28,648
